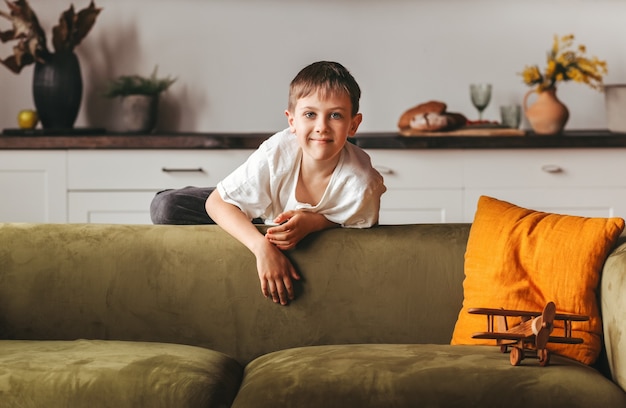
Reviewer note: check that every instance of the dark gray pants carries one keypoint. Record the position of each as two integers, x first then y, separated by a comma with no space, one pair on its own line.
183,206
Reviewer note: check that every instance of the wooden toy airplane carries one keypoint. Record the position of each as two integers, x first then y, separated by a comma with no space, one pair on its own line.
533,333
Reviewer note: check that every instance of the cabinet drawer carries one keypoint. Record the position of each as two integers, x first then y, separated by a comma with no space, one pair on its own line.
150,170
584,202
125,207
421,206
419,168
545,168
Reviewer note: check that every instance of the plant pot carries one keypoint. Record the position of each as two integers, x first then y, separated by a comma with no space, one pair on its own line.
58,90
548,115
139,113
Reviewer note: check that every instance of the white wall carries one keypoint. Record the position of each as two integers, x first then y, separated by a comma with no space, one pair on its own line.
234,59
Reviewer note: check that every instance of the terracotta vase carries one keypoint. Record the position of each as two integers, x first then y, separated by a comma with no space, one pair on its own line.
548,115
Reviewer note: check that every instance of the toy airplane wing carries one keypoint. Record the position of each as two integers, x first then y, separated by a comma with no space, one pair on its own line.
525,314
534,330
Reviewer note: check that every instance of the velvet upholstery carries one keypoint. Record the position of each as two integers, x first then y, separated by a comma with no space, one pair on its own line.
88,311
97,373
424,375
613,302
196,285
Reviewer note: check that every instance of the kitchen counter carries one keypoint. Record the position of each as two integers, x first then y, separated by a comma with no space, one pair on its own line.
569,139
134,141
112,178
368,140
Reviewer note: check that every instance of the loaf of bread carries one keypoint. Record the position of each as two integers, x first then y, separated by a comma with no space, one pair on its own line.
430,116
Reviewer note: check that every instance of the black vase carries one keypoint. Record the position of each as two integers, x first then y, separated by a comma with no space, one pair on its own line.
58,90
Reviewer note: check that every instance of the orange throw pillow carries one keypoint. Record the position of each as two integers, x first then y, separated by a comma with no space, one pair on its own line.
521,259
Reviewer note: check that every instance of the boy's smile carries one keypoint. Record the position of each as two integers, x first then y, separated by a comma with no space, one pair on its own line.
322,124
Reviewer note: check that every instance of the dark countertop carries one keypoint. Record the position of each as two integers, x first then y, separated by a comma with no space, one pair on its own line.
105,140
367,140
568,139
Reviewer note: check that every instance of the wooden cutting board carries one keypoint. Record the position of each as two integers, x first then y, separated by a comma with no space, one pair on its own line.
466,131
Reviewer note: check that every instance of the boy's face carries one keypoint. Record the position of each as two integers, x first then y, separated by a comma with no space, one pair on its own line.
323,126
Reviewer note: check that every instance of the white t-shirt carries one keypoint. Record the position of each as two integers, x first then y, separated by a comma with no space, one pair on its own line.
265,185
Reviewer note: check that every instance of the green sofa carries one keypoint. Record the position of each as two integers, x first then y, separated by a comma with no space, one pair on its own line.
173,316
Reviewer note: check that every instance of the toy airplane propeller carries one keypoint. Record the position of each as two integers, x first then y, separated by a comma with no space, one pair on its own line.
533,333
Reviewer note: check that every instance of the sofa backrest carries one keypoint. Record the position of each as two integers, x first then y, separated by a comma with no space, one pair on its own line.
197,285
613,306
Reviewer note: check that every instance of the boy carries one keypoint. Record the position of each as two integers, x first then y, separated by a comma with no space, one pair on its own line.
304,179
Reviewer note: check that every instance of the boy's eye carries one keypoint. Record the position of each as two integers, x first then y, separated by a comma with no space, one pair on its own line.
309,115
336,115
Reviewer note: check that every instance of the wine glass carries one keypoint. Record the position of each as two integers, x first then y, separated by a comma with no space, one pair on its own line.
481,95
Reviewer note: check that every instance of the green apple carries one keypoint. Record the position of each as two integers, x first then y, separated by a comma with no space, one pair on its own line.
27,119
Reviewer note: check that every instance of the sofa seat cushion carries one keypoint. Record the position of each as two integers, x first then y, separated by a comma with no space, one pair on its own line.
97,373
419,375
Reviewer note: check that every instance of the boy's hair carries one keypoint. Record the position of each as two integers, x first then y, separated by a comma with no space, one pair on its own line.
326,77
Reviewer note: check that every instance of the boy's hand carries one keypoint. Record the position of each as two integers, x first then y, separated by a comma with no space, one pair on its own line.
274,269
295,225
275,274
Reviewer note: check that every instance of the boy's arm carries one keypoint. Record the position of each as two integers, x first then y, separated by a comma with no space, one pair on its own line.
274,269
294,226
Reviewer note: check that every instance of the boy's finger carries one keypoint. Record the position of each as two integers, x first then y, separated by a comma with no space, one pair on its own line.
282,293
289,288
273,292
264,288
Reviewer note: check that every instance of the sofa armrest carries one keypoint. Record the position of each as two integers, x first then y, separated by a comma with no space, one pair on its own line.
613,302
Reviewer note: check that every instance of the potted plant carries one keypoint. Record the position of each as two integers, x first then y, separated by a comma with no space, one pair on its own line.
548,115
140,99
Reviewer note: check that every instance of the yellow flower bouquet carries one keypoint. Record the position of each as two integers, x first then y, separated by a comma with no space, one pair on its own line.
565,63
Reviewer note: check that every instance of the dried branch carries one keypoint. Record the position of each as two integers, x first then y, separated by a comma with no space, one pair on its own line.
31,39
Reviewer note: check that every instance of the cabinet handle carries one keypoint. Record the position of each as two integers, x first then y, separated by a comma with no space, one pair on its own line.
384,170
552,168
182,170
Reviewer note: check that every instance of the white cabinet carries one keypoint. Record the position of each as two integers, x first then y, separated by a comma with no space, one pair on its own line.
444,185
117,186
153,170
585,182
33,186
586,202
118,207
423,186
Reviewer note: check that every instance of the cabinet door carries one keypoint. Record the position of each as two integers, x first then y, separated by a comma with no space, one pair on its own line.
422,186
110,207
584,182
117,186
136,170
33,185
584,202
421,206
